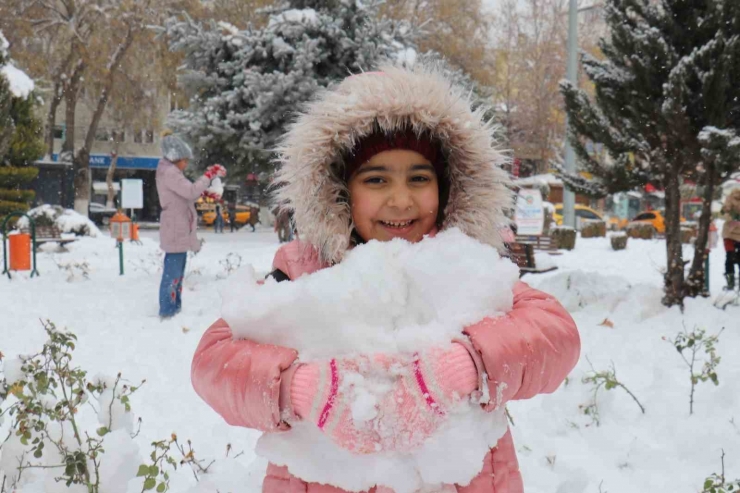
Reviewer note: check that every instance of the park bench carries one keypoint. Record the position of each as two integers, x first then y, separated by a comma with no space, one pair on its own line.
544,243
522,251
49,234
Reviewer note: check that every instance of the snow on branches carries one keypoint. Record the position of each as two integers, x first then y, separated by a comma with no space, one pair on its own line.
246,84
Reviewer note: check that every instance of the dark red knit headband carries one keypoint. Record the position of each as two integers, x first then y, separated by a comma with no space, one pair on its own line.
379,141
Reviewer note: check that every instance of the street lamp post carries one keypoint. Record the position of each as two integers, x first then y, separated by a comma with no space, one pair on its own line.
569,198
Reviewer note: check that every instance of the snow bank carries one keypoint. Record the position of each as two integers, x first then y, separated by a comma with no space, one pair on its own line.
67,220
393,297
579,290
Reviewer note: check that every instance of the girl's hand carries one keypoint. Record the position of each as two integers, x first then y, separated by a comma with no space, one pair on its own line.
429,385
323,393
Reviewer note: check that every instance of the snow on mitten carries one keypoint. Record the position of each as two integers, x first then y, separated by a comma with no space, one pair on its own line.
215,170
426,389
325,394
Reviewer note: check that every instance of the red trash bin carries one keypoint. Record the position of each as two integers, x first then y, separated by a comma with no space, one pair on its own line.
19,246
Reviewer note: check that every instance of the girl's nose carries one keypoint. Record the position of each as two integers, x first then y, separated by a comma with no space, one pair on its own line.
400,198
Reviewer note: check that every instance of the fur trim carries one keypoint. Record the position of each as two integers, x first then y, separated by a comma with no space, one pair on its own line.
308,180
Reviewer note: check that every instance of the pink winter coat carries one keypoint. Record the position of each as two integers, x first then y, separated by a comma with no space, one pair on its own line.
528,351
178,221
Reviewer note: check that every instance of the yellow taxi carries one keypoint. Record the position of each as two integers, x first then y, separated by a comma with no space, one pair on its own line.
582,212
656,218
242,215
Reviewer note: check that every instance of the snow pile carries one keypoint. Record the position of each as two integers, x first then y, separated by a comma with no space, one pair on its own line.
67,220
579,290
390,298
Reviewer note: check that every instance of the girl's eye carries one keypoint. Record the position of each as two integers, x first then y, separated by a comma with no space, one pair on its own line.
375,180
420,179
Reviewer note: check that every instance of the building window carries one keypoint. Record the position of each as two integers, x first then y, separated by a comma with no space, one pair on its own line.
138,137
102,135
149,137
59,132
119,136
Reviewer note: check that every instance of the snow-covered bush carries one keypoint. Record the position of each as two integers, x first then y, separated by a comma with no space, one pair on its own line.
718,483
593,229
67,220
644,231
619,241
606,379
565,237
695,343
67,429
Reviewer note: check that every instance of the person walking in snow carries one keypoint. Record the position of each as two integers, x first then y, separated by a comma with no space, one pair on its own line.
254,217
392,154
731,236
178,221
219,221
232,216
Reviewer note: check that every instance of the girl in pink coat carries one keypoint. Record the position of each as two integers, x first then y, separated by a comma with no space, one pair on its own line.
391,154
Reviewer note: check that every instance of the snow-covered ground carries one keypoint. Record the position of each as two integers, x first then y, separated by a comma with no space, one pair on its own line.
614,297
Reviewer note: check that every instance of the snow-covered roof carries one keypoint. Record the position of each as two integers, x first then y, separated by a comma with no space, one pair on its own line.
536,180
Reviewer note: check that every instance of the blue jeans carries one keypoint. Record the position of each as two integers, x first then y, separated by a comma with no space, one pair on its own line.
219,226
170,289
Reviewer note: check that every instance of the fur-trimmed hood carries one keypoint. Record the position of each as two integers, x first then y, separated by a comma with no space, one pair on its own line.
310,155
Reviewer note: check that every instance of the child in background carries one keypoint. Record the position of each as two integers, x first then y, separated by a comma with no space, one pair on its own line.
393,154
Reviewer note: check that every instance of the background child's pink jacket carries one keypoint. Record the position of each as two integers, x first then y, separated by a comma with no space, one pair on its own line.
528,351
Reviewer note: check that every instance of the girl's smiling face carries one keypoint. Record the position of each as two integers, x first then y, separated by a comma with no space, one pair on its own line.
394,195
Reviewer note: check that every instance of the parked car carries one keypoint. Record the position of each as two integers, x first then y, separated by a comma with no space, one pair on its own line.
242,215
100,214
582,213
655,217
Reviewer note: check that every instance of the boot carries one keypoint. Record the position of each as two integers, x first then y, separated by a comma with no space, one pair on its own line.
730,282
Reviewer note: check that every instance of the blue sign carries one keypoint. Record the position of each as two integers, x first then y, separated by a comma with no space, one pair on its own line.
124,162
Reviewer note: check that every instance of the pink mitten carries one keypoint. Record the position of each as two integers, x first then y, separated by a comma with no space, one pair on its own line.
427,388
215,170
320,393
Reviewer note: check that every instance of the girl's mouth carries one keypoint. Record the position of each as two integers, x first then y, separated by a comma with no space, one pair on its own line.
398,225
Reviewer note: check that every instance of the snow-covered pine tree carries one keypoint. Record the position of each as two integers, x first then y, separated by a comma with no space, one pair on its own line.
7,127
21,141
247,84
667,79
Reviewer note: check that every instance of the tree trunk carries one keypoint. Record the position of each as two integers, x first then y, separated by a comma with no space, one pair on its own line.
674,276
111,172
82,159
695,284
51,119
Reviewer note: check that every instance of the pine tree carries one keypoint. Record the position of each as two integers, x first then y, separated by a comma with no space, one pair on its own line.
247,84
21,143
666,109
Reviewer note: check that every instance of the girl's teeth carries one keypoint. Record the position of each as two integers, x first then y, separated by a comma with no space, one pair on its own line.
397,224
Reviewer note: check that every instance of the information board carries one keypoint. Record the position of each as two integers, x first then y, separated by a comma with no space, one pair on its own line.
530,214
132,193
